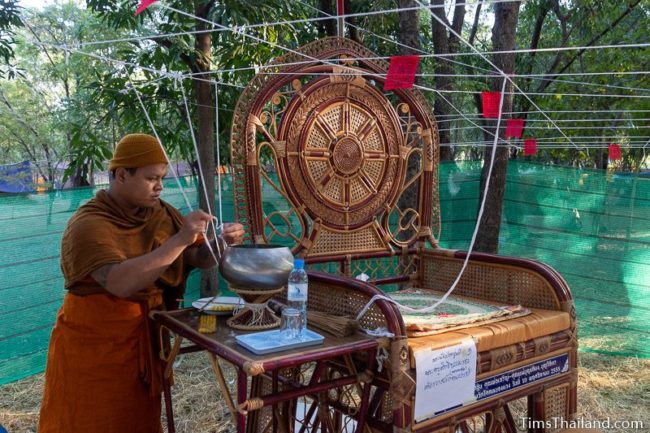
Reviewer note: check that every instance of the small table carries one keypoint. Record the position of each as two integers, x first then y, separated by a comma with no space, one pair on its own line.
278,379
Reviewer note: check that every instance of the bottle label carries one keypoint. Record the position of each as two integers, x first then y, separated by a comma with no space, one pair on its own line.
297,292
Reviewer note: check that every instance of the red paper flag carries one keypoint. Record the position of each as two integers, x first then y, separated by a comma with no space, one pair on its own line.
401,72
530,146
514,128
491,102
143,5
614,152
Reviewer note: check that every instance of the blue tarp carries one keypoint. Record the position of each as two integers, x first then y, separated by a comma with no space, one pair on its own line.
16,178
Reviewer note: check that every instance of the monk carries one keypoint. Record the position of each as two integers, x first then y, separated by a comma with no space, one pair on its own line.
123,253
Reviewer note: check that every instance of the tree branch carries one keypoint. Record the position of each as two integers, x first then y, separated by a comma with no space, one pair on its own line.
545,84
166,43
456,26
477,16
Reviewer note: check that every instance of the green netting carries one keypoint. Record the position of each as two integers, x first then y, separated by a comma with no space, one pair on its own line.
31,284
593,228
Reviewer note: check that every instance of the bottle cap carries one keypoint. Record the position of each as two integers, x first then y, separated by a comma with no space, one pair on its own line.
298,263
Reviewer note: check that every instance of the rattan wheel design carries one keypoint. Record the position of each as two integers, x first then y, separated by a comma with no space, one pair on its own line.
343,143
321,155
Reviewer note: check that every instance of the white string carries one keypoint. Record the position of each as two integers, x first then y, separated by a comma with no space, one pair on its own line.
348,68
493,75
579,120
328,17
170,165
163,74
417,86
519,143
200,166
320,61
278,23
435,305
558,112
216,128
554,95
531,128
155,133
400,44
477,53
334,59
460,38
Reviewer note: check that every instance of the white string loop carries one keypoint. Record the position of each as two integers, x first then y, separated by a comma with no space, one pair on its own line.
431,308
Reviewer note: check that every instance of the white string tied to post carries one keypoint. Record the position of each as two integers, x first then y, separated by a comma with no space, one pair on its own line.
432,307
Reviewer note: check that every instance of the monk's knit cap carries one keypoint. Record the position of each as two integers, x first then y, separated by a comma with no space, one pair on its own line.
137,150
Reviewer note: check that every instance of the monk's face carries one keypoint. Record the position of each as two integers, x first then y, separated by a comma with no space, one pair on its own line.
143,188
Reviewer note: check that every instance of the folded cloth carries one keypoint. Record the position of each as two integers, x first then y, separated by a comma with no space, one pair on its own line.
456,312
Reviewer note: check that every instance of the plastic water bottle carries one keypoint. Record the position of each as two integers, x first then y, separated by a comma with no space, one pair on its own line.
297,291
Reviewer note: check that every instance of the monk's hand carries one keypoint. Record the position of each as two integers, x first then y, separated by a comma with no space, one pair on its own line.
194,224
232,233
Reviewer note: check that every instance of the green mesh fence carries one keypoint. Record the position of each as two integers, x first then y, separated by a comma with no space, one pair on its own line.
593,228
31,283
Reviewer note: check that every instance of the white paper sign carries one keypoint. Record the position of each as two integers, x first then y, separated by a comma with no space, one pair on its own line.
446,378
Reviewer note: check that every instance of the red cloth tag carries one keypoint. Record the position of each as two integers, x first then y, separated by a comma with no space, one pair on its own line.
143,5
491,101
530,146
401,72
514,128
614,152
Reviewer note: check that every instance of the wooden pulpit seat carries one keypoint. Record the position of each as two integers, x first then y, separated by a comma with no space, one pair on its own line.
346,175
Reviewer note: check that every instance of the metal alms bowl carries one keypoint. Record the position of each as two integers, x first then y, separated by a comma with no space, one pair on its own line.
256,266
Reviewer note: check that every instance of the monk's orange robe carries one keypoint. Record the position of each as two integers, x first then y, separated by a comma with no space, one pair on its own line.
102,373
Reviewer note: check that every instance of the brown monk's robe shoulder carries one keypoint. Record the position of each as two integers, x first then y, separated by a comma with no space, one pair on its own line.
100,233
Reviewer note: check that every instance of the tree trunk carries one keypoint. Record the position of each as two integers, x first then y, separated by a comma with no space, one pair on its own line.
78,179
326,27
352,28
408,35
205,134
445,42
503,39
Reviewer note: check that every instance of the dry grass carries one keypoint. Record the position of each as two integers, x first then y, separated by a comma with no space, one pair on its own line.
616,388
610,387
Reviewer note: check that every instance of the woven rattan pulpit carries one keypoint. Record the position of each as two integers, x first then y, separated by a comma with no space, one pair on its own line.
326,162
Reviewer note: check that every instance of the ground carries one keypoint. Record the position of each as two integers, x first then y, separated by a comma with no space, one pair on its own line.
614,388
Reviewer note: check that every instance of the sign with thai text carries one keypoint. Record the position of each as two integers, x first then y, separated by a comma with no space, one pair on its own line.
439,401
446,378
522,376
